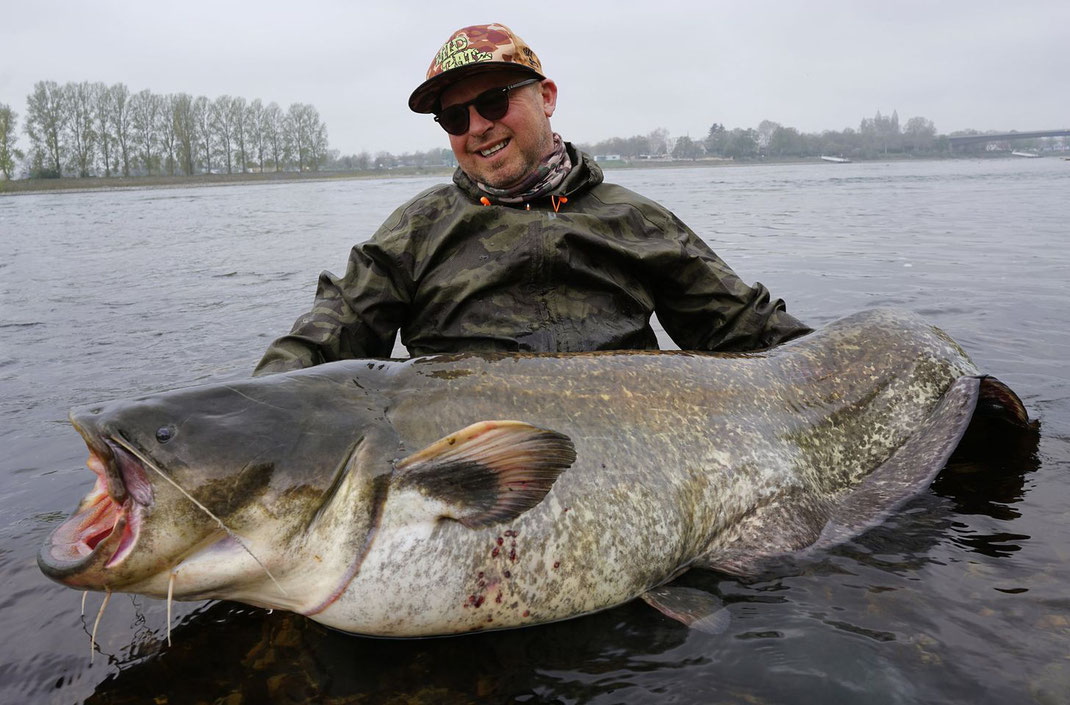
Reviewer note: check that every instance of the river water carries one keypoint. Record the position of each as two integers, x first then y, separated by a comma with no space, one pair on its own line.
961,597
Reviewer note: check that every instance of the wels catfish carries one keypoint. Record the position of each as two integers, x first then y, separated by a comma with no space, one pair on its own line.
456,493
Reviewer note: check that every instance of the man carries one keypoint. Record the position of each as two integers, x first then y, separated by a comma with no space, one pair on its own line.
528,249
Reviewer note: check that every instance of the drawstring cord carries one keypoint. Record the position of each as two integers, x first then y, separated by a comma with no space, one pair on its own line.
555,201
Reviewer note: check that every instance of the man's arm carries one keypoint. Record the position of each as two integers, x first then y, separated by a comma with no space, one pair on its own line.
354,316
703,305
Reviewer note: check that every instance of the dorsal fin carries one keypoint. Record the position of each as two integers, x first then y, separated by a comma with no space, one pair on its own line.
997,400
489,472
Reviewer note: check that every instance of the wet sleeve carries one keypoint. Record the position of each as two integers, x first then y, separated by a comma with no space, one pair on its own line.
703,305
354,316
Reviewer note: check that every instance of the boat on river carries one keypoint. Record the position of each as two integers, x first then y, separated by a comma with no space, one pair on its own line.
835,160
1029,155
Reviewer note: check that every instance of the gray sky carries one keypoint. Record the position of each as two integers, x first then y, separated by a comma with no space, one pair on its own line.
622,68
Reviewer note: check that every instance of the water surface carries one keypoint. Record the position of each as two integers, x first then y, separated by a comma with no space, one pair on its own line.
961,597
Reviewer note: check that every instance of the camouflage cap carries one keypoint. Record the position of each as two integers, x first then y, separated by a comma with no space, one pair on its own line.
471,50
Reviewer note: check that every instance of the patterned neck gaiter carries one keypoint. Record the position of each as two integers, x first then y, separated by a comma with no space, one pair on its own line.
547,176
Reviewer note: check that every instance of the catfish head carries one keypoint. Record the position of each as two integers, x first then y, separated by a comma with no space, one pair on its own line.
213,484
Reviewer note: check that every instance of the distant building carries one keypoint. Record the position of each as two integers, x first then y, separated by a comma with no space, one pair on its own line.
607,158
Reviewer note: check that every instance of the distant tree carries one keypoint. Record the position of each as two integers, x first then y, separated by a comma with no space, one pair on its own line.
880,134
239,116
686,148
222,120
658,141
102,119
144,128
766,128
275,134
185,125
119,97
254,128
786,142
306,135
165,133
741,143
9,153
78,102
202,126
46,121
384,160
636,145
716,139
920,134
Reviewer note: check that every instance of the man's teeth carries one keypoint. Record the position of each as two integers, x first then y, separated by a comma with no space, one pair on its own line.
496,148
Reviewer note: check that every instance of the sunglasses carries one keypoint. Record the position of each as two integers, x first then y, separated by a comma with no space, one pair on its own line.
492,105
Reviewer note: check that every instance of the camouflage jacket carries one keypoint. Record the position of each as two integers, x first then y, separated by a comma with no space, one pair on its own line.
455,275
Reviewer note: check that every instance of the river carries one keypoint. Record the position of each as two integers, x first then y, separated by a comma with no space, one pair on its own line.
960,597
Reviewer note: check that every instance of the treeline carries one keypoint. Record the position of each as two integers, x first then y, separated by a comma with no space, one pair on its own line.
876,136
879,136
91,129
386,160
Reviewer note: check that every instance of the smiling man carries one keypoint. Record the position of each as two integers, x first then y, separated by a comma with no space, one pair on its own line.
528,249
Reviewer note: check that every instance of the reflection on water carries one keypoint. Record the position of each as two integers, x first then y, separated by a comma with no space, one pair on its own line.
958,597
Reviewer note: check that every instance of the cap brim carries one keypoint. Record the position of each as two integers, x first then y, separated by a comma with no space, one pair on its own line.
425,98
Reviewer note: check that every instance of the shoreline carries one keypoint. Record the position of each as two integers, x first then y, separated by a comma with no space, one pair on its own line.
17,187
120,183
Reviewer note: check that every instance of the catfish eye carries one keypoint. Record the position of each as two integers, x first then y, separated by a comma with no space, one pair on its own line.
165,433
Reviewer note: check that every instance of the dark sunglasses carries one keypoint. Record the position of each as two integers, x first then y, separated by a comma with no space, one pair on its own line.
492,105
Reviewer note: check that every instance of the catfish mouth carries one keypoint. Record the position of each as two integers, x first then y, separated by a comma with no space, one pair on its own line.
104,530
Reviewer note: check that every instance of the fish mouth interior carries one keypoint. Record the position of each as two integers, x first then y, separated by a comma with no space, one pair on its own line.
105,527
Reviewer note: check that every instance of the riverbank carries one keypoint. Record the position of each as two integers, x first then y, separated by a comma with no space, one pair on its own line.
92,183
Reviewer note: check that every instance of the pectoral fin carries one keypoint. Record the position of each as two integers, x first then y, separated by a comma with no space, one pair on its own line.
489,472
693,608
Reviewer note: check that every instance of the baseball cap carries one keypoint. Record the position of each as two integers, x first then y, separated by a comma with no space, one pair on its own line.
471,50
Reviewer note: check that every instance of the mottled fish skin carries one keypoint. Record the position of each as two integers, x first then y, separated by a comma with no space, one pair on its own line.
680,457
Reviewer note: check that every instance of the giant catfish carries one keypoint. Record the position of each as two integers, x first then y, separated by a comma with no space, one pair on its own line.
456,493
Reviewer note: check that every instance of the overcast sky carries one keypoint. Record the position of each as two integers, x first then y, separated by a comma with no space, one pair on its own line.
622,68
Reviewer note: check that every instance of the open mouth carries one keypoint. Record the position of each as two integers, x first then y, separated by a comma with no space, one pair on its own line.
104,529
494,149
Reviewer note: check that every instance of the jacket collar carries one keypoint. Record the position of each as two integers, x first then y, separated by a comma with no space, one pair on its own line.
585,175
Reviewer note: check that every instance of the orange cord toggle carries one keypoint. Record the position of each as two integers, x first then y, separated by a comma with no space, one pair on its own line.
557,202
484,200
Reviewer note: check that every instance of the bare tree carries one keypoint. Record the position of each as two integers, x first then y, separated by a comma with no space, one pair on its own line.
222,119
185,126
202,122
119,97
275,134
165,131
766,128
9,153
920,133
45,126
254,128
292,135
102,118
318,145
658,140
78,99
144,125
238,120
307,136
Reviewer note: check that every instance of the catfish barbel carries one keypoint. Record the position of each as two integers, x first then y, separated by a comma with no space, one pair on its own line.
456,493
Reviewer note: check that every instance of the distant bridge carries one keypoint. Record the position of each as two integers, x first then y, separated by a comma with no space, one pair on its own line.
975,139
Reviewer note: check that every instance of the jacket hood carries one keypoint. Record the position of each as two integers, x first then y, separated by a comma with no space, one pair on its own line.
585,175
